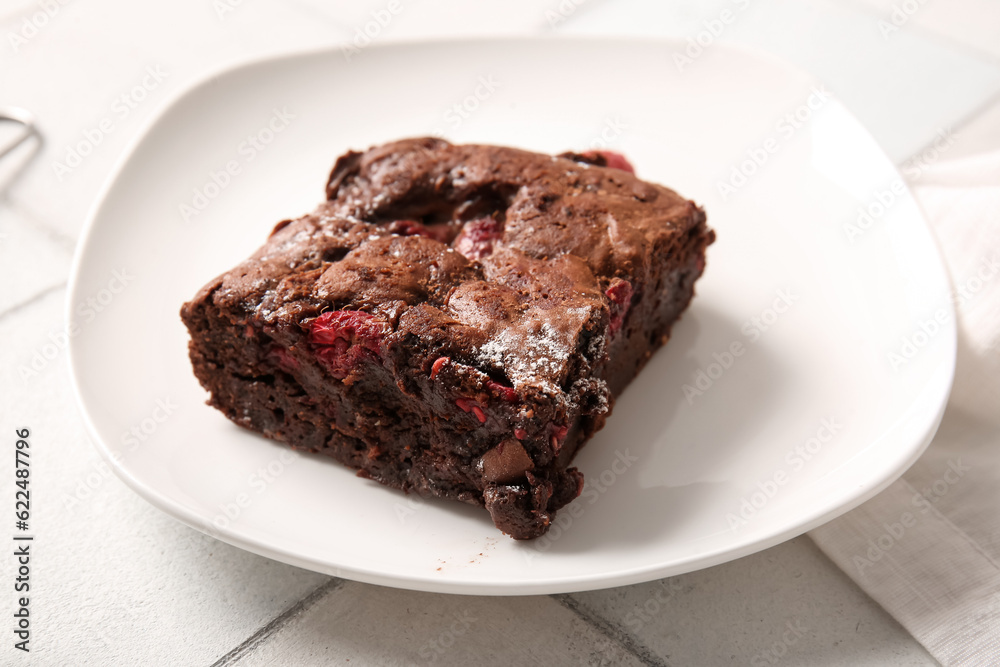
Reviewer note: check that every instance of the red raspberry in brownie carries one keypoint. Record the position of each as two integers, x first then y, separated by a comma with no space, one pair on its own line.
503,391
558,435
438,364
342,338
409,228
282,358
470,405
619,293
413,228
477,237
608,159
611,159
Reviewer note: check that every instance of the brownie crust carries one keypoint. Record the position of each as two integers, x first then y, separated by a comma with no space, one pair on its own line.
454,320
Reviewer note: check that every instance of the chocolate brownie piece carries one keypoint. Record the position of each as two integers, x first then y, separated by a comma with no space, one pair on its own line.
453,321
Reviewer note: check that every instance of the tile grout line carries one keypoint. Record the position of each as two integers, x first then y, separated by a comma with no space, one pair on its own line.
32,299
249,644
53,233
611,631
956,129
942,39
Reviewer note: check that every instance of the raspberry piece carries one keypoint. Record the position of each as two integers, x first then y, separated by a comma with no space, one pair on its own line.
477,238
282,358
610,159
438,365
470,405
503,391
409,228
343,338
619,293
414,228
558,433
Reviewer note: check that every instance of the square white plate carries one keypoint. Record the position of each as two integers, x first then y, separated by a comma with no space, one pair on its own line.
810,371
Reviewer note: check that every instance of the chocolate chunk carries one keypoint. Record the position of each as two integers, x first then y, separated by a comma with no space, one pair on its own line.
505,463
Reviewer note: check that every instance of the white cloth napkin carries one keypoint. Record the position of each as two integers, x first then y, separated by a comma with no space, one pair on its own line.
928,548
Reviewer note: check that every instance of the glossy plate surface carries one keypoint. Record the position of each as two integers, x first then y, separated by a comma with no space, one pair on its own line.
810,371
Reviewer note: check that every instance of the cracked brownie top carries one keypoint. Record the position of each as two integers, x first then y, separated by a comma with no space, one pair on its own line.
518,264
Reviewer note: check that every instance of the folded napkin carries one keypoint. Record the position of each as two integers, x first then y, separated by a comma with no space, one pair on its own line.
928,548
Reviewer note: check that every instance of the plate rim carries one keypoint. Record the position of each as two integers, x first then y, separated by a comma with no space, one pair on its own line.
506,587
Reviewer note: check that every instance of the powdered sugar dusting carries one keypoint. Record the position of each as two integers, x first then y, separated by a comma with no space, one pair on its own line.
534,358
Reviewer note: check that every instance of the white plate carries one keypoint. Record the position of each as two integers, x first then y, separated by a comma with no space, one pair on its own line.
709,477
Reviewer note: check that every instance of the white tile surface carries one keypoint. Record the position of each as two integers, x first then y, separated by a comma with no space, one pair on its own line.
372,625
904,89
970,24
980,134
74,73
115,581
785,603
32,260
